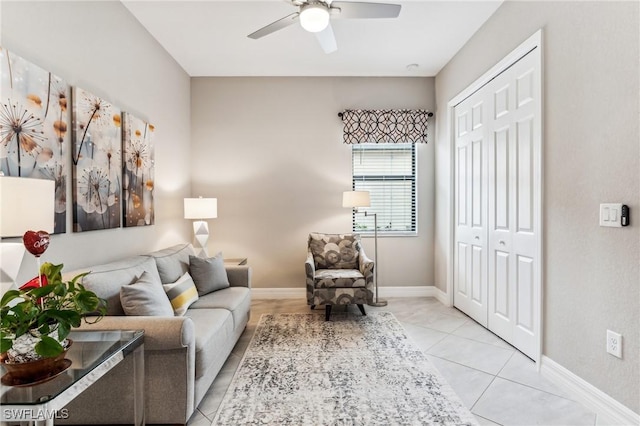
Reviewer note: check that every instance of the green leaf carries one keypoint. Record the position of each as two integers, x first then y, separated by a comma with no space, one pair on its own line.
53,272
39,292
60,290
63,331
5,344
66,317
9,296
87,301
77,277
48,347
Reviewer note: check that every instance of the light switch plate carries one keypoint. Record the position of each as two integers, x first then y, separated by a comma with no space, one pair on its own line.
610,214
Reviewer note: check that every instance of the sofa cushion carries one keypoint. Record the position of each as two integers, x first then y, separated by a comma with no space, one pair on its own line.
172,262
208,274
213,330
181,294
235,299
334,251
106,280
145,297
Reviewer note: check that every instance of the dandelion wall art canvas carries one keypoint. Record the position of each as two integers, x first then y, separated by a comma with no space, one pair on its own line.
33,127
97,160
137,173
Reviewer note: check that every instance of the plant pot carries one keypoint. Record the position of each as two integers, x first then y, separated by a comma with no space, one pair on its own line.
21,373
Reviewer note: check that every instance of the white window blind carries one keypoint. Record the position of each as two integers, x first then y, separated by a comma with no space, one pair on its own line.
388,172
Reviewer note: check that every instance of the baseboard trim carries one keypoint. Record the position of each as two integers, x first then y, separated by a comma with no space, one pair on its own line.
278,293
298,293
609,410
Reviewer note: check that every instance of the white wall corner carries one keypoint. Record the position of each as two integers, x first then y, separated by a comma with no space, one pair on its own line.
609,410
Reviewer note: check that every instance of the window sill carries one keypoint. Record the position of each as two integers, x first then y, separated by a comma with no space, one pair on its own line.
382,234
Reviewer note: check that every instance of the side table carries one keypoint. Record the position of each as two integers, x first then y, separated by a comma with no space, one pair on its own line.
93,354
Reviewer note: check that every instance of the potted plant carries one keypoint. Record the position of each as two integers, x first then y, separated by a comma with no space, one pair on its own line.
37,318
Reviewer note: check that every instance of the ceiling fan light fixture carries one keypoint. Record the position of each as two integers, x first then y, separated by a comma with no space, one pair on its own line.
314,17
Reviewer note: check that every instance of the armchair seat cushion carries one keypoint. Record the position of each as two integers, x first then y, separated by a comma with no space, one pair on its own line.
339,278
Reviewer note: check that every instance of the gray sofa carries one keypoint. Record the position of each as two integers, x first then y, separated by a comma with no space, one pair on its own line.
183,354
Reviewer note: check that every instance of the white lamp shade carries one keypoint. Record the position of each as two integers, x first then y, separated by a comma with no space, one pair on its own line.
26,205
314,17
200,208
353,199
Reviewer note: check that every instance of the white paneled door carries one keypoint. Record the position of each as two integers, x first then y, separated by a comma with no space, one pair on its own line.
497,204
470,273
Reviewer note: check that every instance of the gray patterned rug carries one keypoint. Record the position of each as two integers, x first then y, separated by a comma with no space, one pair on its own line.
353,370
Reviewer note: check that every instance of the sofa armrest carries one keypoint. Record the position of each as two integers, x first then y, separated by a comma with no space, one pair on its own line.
239,275
160,333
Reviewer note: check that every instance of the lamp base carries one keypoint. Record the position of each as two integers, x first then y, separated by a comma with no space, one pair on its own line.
378,303
201,236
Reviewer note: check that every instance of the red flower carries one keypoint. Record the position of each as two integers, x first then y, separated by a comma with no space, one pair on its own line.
35,283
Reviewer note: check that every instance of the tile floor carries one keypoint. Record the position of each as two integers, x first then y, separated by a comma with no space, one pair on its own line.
498,383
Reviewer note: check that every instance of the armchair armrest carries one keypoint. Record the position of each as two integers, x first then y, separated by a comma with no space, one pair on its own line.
160,333
239,275
366,265
309,265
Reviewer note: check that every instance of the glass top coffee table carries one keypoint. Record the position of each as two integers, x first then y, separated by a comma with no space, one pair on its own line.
92,355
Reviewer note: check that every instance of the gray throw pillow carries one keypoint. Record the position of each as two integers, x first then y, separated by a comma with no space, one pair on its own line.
145,297
208,274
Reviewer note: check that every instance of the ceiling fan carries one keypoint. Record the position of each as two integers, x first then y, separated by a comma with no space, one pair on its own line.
315,16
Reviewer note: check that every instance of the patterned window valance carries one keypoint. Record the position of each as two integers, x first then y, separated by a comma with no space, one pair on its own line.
385,125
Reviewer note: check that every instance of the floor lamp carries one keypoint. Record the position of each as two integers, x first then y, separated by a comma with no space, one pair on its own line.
201,209
354,200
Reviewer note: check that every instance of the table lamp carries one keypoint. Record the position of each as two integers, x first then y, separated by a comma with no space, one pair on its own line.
200,209
354,200
26,205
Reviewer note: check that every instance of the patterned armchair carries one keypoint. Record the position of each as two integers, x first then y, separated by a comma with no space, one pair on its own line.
338,272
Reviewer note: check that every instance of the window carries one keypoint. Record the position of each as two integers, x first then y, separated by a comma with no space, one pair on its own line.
388,172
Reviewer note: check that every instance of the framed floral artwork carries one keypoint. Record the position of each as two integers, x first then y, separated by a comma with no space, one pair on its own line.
34,140
137,172
97,162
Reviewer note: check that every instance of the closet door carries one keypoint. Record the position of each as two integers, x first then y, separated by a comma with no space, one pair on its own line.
513,189
470,258
497,204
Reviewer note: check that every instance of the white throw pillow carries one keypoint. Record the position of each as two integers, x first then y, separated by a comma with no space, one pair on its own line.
181,294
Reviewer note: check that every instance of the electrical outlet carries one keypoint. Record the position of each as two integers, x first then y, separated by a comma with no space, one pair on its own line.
614,343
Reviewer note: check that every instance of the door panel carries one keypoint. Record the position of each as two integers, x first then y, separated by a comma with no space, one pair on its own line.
501,293
477,273
470,279
525,176
476,183
500,172
524,293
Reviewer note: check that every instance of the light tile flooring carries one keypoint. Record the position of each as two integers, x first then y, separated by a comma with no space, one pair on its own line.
498,383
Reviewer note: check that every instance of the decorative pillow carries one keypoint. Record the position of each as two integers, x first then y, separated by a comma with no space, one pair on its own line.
145,297
208,274
181,294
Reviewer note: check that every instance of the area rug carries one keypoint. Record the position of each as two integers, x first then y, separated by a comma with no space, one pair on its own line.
353,370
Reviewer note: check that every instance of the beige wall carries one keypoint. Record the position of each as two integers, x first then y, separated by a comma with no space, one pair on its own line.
271,151
100,47
591,155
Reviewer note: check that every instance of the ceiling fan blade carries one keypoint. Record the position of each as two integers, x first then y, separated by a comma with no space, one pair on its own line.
275,26
359,10
327,40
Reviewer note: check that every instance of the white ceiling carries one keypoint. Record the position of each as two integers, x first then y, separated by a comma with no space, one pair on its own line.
209,38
